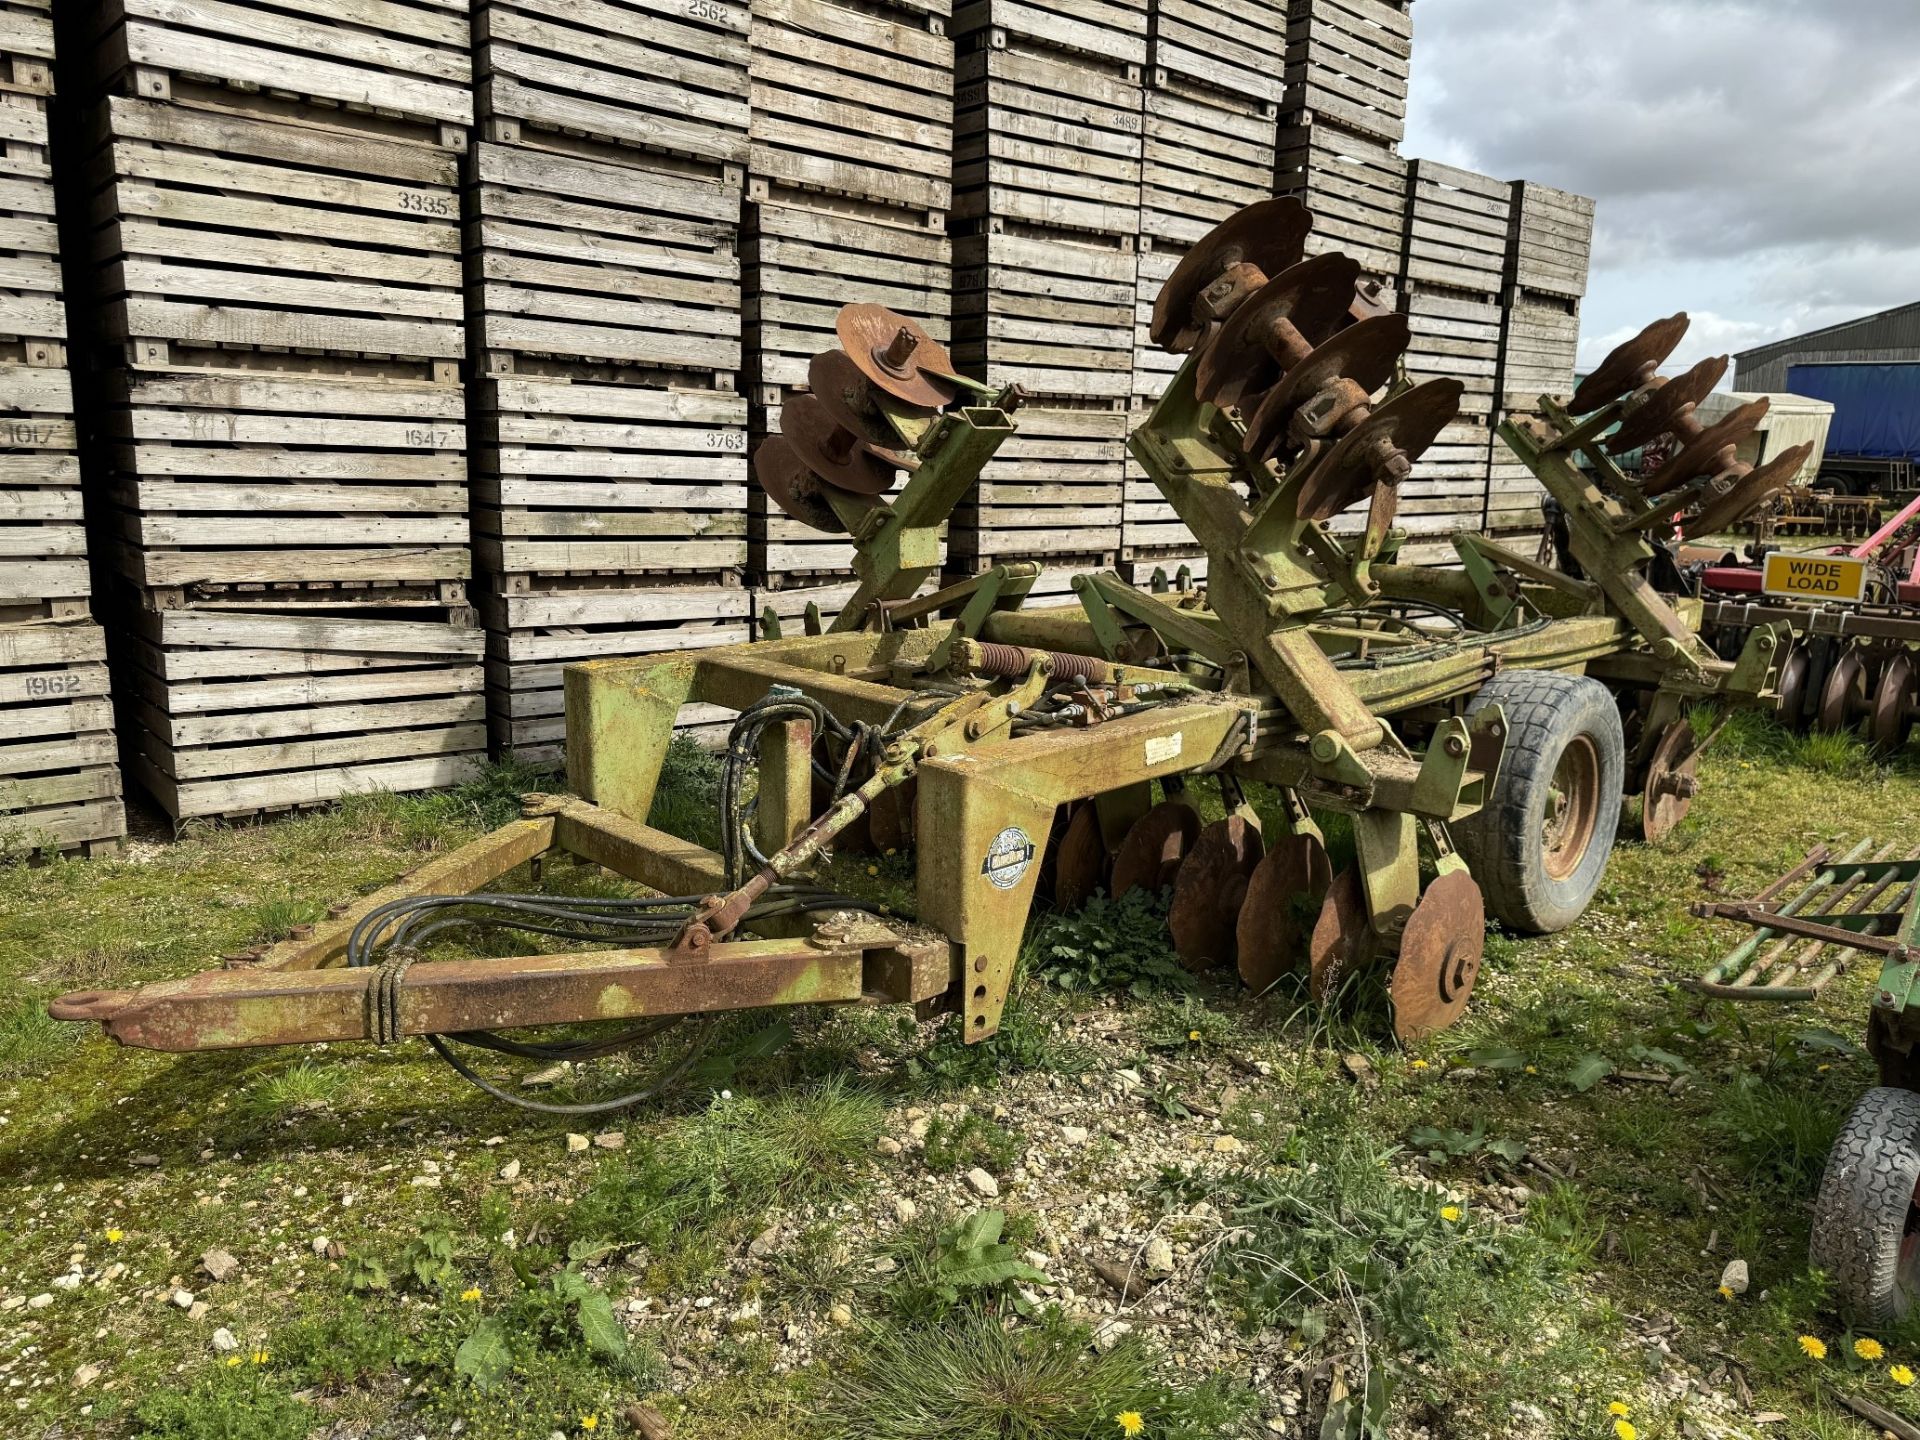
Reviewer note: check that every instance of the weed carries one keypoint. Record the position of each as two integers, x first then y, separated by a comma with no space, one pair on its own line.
1335,1246
1781,1133
1109,945
340,1349
236,1404
1028,1040
687,800
725,1165
30,1040
972,1140
976,1378
274,920
304,1085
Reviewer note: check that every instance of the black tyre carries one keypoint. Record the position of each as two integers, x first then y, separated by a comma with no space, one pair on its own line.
1541,845
1866,1229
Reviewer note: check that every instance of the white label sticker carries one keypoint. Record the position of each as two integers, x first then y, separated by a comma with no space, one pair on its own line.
1163,748
1009,858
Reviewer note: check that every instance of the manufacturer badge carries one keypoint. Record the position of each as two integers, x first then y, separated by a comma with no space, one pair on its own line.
1009,858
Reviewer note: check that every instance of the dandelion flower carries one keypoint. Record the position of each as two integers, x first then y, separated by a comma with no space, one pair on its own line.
1129,1422
232,1360
114,1237
589,1422
470,1294
1533,1069
1726,1292
1449,1213
1619,1408
260,1357
1624,1430
1418,1065
873,869
1813,1347
1900,1375
1193,1035
1868,1348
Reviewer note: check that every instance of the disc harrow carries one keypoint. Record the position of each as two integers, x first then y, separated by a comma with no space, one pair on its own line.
1013,752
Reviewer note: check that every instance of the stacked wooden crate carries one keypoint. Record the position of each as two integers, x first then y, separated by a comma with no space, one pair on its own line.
1208,130
604,307
275,327
1047,207
1450,279
59,777
850,181
1341,122
1549,246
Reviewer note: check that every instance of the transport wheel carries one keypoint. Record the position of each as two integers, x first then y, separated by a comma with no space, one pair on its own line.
1541,844
1866,1226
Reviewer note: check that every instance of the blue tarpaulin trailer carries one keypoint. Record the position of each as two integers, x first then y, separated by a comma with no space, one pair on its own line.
1876,419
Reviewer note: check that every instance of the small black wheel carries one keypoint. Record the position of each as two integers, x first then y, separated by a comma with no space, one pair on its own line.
1540,846
1866,1226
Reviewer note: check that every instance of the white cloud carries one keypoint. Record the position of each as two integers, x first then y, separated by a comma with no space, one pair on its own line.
1753,159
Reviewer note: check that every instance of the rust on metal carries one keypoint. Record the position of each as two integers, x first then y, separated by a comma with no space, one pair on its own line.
1155,846
1380,451
1631,366
1672,782
1276,329
1283,901
1363,356
793,487
897,355
226,1009
839,385
1668,407
1232,260
1439,957
1710,452
835,455
1343,943
1210,890
1748,492
1080,867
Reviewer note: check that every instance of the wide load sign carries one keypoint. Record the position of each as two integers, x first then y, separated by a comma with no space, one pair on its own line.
1816,577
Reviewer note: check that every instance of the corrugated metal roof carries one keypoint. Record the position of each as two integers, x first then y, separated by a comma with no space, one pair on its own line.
1896,329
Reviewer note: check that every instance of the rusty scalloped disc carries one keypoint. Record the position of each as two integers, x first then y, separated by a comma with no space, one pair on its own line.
837,456
836,382
1283,899
1749,493
1080,867
1270,234
1844,697
1630,366
1439,957
869,333
1315,295
1342,943
1409,423
1894,701
794,488
1665,405
1154,849
1795,672
1677,754
1364,353
1209,891
1702,454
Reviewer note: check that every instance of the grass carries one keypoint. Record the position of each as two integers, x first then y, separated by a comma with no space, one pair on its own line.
973,1377
1316,1251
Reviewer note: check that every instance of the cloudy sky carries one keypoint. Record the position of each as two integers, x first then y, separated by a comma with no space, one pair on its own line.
1756,162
